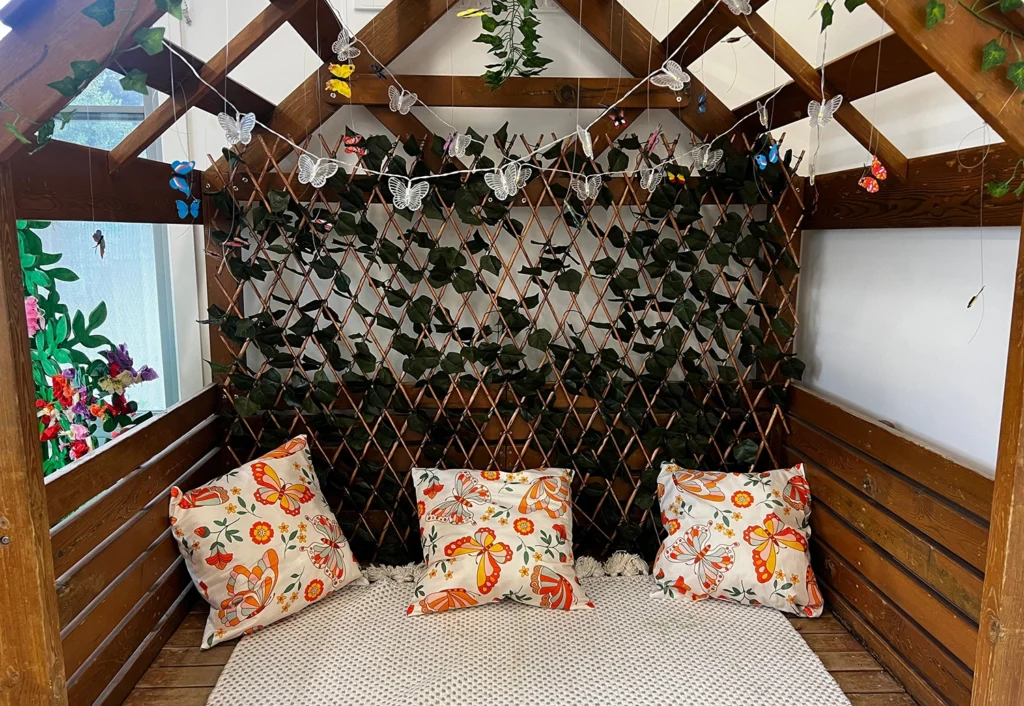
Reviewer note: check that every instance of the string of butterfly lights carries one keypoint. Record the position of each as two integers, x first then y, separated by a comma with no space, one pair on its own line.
506,181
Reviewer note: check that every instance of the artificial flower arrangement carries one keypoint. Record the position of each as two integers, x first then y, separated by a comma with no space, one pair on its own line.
80,400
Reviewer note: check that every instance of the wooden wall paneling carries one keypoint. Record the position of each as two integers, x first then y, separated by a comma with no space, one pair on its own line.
77,588
942,191
68,182
92,678
75,485
924,693
987,92
942,522
128,676
809,80
213,73
78,535
949,628
949,479
31,662
535,92
40,50
1001,647
305,109
956,582
87,631
852,74
166,69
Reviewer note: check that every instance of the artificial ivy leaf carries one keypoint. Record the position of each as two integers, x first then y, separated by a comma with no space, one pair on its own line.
617,160
11,128
501,136
102,11
997,188
151,39
491,263
85,70
464,282
539,339
826,16
135,80
1015,73
569,281
170,6
782,328
245,407
745,451
852,5
603,267
278,200
1009,5
934,13
703,280
67,86
992,54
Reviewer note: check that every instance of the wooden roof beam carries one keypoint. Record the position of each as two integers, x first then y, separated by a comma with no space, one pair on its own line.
706,33
159,72
952,49
852,74
305,109
535,92
318,26
809,81
214,72
39,50
626,39
939,192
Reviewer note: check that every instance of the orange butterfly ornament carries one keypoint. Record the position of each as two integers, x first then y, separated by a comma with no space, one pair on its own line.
878,173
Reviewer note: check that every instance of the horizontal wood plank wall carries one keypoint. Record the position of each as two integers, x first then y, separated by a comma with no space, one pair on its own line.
899,535
121,583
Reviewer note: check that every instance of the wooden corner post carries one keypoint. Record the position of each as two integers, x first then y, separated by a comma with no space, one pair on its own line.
31,660
997,674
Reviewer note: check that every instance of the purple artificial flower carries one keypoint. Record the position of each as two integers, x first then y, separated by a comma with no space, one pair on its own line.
147,373
120,357
69,374
80,409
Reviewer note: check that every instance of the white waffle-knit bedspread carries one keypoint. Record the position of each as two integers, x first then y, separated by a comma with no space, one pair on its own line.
359,647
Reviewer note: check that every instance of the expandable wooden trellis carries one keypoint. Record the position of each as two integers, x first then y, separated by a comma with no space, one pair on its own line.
462,417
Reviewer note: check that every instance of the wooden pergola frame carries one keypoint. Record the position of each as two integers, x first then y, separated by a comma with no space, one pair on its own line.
929,191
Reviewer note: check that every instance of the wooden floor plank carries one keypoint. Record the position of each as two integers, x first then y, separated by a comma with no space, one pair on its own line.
184,675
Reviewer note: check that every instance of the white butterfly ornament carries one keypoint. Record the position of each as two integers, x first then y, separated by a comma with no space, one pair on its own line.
408,194
316,172
238,130
762,114
671,76
587,188
586,142
458,144
505,183
401,101
650,177
739,7
706,158
821,114
345,46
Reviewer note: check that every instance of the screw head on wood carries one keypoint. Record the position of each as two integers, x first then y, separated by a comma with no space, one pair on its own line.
5,540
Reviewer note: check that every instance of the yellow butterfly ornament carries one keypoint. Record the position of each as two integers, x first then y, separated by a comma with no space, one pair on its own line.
472,12
340,84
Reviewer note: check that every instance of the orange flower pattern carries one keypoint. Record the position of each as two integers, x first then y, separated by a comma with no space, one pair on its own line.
702,557
244,536
492,536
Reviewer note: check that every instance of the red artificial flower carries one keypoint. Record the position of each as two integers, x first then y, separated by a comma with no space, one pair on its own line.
49,433
79,449
98,410
119,405
62,390
220,560
115,369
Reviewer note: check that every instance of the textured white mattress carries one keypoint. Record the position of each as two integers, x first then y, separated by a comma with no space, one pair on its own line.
359,647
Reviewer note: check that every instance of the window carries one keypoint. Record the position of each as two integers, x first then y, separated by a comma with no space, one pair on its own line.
133,277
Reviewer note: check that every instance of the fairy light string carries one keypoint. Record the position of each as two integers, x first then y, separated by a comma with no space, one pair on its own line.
315,161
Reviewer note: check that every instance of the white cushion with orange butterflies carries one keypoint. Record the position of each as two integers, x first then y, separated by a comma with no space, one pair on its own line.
488,535
261,543
738,537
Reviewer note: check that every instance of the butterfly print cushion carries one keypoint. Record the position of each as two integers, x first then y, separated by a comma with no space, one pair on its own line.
488,535
739,537
261,543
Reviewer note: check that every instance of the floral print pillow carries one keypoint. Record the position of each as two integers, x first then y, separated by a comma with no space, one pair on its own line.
261,543
488,535
739,537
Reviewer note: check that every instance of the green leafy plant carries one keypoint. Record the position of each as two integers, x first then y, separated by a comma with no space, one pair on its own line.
80,397
105,13
510,32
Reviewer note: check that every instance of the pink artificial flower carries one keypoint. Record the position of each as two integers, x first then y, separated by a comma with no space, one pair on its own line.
35,319
79,432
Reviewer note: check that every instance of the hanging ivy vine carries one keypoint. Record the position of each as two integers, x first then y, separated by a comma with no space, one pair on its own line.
510,32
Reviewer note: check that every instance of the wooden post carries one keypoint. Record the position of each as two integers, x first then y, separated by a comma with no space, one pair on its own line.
997,672
31,660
